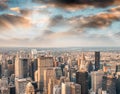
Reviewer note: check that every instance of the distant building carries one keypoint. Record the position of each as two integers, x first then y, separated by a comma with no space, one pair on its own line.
97,61
118,68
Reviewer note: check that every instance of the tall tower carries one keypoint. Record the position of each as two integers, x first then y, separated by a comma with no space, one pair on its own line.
82,62
97,61
96,80
43,63
82,79
22,66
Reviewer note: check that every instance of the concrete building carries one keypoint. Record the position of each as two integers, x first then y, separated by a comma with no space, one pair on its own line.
56,89
22,65
109,84
20,85
43,63
70,88
96,80
29,89
97,61
82,79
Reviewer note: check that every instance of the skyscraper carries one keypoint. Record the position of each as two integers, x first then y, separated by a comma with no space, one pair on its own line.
22,66
56,89
43,63
82,62
118,68
0,71
20,85
70,88
96,80
49,73
97,61
109,84
50,86
82,79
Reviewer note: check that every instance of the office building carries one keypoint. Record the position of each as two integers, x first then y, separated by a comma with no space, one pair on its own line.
43,63
70,88
22,66
96,80
56,89
29,89
97,61
82,79
20,85
109,84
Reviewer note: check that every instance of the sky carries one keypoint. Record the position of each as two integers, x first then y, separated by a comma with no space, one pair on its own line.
30,24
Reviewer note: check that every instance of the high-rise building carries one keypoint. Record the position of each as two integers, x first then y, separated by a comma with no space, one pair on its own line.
82,79
70,88
50,86
82,62
10,66
0,71
29,88
20,85
118,68
49,73
118,84
11,89
22,66
32,68
97,61
56,89
43,63
4,86
109,84
96,80
75,89
90,67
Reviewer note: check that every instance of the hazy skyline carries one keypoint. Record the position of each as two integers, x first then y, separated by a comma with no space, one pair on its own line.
49,25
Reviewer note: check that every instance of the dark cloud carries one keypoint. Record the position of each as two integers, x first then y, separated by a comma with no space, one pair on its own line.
101,20
79,1
56,20
11,21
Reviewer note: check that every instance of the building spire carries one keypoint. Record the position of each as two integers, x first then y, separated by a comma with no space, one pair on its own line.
82,65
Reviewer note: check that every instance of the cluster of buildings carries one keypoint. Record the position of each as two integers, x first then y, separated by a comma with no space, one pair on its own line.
40,72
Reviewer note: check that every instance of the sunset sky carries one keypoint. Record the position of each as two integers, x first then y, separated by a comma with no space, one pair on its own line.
52,25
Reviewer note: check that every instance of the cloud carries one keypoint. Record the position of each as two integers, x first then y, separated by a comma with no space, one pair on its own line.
8,21
3,6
